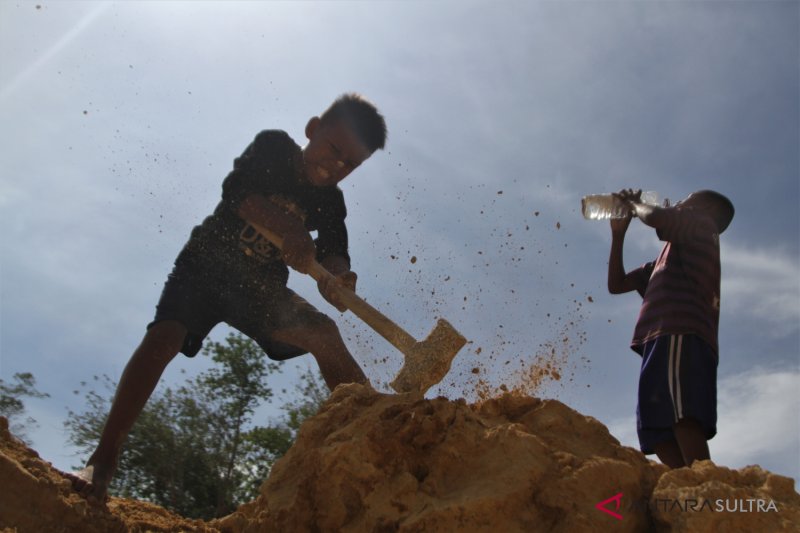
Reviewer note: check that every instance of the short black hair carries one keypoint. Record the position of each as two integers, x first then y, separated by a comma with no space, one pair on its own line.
362,115
725,210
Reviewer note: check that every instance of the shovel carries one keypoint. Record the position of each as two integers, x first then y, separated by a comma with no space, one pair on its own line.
426,361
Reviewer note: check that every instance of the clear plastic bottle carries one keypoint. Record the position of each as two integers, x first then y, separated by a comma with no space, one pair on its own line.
605,206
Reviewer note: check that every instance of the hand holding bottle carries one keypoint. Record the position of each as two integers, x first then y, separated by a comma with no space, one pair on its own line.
619,226
615,205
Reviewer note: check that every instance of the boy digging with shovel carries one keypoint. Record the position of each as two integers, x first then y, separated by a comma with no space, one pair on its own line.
228,272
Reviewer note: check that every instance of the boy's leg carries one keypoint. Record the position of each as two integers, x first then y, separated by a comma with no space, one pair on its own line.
691,438
323,340
160,345
669,453
677,382
285,326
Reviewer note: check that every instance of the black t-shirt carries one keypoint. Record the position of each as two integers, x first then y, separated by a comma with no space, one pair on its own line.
225,243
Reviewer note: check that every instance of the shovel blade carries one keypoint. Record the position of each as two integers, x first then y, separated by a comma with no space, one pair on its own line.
428,361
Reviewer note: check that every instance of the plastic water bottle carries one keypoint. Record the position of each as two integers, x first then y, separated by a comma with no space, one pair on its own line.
605,206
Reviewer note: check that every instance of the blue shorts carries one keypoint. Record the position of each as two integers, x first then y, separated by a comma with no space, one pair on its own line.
255,303
678,380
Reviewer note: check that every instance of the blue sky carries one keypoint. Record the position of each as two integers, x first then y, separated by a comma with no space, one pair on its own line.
118,122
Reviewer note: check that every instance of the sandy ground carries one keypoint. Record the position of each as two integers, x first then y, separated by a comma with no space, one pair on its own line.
382,462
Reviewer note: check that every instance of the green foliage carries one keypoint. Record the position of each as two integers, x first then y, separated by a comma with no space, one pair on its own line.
11,405
312,394
195,450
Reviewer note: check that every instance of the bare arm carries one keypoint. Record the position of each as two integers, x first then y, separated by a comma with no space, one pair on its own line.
618,281
298,248
651,215
336,264
340,268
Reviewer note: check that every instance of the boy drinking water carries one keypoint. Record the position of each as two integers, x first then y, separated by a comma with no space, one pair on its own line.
676,333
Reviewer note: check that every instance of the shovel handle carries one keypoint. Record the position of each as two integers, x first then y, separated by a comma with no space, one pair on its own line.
384,326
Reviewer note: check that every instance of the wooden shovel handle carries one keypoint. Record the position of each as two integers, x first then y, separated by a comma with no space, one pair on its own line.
385,327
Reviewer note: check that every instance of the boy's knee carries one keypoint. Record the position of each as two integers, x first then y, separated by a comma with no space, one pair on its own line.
323,334
315,336
324,328
688,425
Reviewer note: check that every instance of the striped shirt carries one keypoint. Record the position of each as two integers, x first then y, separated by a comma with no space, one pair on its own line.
681,288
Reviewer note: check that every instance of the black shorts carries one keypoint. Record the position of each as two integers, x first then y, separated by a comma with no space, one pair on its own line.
678,380
256,303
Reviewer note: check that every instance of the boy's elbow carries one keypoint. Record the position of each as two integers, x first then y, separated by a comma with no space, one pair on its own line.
613,284
617,287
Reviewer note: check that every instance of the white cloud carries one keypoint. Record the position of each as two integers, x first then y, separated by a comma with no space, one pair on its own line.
763,284
758,422
20,78
758,417
624,430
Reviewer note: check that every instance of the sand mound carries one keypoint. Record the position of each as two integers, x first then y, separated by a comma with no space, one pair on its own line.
37,498
376,462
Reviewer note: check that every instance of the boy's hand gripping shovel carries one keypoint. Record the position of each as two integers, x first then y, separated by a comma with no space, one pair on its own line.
426,361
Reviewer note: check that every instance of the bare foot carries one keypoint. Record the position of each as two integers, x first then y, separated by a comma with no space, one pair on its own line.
91,482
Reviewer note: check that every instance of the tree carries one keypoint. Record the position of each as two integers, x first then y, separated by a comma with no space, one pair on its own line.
195,449
312,392
11,405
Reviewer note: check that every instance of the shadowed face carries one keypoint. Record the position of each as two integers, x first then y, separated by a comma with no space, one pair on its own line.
709,203
333,151
700,200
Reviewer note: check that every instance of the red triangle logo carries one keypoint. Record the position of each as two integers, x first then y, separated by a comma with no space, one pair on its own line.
617,498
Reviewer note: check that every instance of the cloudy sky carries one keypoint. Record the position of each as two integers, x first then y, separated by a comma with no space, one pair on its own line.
118,122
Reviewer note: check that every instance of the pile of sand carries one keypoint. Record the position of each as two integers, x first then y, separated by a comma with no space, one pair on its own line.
376,462
36,498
